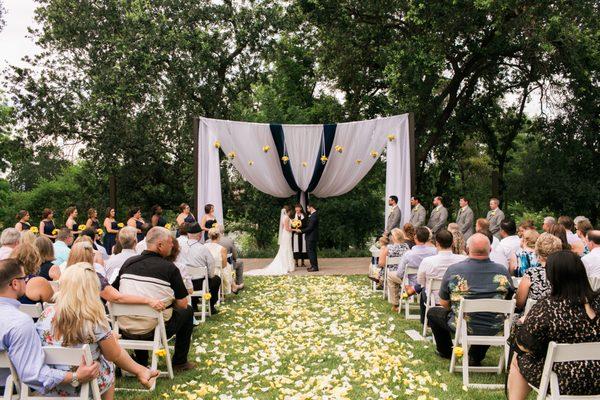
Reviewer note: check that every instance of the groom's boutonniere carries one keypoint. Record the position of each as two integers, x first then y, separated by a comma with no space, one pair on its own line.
493,212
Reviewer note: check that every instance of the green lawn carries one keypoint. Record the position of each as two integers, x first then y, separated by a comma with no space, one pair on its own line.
321,337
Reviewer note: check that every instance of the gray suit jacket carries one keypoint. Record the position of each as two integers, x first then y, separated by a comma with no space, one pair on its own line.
394,219
438,219
465,219
417,216
494,219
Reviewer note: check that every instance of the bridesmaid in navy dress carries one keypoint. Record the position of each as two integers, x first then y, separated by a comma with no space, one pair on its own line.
111,228
23,218
47,224
136,221
92,221
71,214
185,216
157,216
208,219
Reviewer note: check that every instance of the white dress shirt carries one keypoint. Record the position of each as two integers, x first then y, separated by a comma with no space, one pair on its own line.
592,262
5,252
141,246
115,262
436,266
509,245
498,256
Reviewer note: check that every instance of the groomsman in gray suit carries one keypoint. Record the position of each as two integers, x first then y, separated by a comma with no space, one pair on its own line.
395,216
465,218
418,213
495,216
438,217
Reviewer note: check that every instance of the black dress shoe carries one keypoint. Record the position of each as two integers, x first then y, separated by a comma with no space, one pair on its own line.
311,269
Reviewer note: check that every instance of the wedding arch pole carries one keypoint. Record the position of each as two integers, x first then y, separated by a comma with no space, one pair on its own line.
195,141
283,160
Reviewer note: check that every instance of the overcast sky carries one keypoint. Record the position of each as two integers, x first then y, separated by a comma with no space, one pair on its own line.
14,40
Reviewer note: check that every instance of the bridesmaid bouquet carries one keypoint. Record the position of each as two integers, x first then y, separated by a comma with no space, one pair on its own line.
120,225
34,230
81,227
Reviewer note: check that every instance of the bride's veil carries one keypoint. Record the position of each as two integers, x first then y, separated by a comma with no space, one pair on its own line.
281,219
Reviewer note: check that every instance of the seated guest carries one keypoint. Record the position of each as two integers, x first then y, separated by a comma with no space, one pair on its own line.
458,240
376,271
549,222
395,249
9,240
175,258
560,232
182,238
474,278
482,224
524,226
436,266
141,244
574,240
150,275
525,257
76,320
27,237
18,337
409,234
583,227
568,315
411,258
219,253
534,284
510,243
37,288
127,237
237,264
46,250
198,255
62,246
96,244
592,260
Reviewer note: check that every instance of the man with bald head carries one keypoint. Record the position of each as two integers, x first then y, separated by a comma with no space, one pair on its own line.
151,275
474,278
592,260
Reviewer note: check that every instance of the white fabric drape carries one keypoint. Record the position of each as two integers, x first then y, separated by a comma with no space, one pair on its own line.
397,176
344,170
209,175
303,143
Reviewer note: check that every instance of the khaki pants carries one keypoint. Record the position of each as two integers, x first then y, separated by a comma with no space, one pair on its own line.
393,284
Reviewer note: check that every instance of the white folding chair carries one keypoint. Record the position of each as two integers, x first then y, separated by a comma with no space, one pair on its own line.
12,387
160,340
564,352
432,285
407,301
388,262
71,357
33,310
195,274
374,256
595,282
530,303
506,307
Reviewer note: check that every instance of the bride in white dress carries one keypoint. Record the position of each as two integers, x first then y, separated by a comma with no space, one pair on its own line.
284,260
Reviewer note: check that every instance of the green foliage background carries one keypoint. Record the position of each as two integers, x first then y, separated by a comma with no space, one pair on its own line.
119,83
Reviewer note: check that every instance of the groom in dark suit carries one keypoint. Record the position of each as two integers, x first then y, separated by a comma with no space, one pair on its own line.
311,232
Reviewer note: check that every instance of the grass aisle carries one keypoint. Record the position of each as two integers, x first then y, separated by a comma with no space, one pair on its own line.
325,337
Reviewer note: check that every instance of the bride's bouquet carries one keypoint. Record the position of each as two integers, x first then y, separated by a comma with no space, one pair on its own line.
296,224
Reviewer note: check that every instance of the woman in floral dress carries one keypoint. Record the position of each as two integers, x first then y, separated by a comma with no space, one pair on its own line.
78,318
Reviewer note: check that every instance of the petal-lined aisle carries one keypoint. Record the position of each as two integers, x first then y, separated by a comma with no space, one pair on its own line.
322,337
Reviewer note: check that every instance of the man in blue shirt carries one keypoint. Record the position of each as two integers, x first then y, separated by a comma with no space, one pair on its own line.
475,278
19,338
64,239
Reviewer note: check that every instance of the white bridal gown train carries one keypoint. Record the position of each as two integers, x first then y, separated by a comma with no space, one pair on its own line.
284,260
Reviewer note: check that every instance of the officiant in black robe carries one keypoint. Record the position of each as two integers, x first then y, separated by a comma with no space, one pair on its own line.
298,239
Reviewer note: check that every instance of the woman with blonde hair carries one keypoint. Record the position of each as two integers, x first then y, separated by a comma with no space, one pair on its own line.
37,288
82,251
78,318
223,269
525,257
459,245
27,237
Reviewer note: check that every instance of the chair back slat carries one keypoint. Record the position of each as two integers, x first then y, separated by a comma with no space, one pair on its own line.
197,272
63,355
434,283
33,310
139,310
488,305
392,261
565,352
